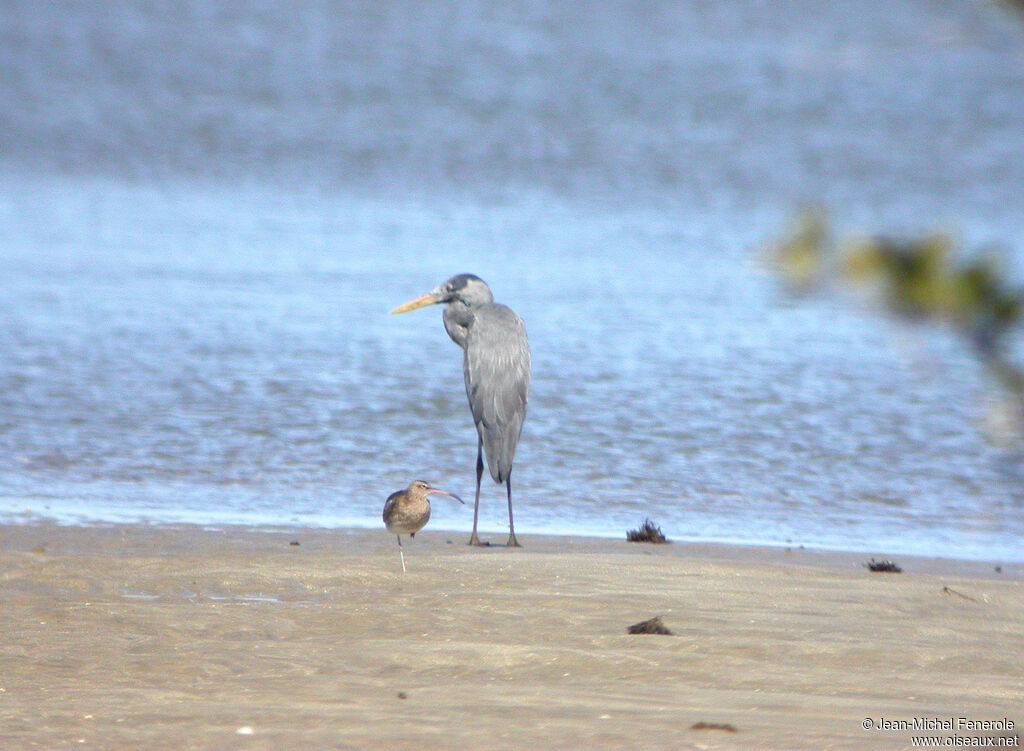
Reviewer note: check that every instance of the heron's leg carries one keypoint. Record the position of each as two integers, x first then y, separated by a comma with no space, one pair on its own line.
512,541
473,539
399,538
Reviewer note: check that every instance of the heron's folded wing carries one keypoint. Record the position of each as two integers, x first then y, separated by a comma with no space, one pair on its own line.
497,372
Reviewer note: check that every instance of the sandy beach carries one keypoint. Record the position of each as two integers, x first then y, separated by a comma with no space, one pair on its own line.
132,637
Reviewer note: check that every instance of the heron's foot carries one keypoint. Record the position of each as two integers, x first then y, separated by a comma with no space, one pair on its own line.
512,542
475,542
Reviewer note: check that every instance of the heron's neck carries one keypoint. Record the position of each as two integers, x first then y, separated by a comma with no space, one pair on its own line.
458,317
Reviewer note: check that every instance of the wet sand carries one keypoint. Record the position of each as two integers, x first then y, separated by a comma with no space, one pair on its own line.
132,637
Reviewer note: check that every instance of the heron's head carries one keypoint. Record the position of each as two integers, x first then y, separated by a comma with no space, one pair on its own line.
421,488
468,289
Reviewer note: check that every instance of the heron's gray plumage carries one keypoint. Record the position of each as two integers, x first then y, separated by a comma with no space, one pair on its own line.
496,368
497,373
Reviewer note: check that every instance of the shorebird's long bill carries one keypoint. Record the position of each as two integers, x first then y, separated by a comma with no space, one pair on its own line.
438,491
431,298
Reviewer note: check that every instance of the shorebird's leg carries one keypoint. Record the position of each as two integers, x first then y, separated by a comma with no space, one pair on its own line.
473,539
512,541
402,554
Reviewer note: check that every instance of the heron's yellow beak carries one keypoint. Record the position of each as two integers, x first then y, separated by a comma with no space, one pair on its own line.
431,298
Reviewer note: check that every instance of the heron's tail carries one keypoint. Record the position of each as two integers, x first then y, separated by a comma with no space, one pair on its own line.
500,447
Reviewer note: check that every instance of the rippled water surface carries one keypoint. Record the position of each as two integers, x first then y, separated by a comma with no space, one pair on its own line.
208,211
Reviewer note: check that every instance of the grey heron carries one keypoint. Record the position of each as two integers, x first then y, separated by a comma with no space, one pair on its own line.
407,511
496,368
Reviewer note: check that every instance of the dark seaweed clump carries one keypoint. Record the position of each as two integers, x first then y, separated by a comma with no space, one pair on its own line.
884,567
713,726
647,532
652,626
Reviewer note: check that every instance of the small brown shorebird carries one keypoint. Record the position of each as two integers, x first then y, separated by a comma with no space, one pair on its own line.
407,511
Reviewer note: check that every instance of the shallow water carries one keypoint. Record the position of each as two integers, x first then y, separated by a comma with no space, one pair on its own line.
207,216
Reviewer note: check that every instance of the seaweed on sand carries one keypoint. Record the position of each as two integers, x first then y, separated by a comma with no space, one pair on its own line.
648,532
